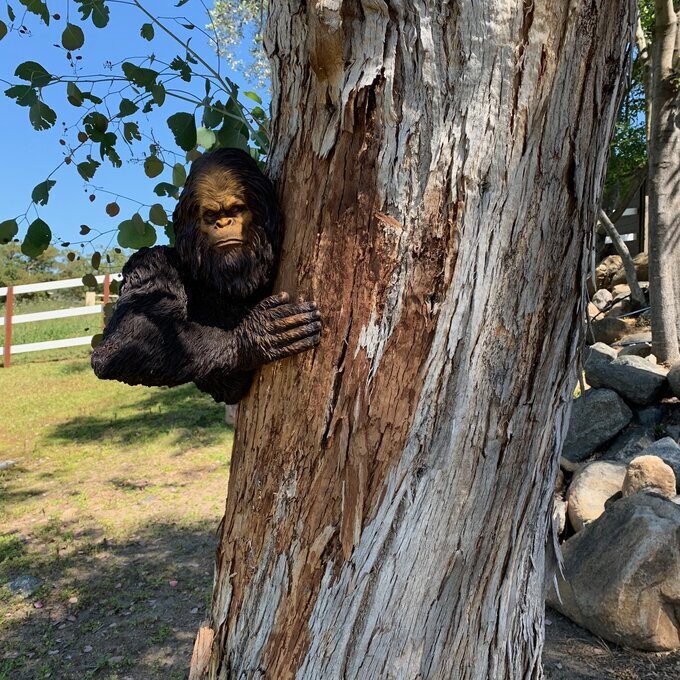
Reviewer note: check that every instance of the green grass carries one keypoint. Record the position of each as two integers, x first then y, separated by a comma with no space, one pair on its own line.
115,494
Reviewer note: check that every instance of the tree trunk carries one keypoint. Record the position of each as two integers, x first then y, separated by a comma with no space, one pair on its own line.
636,294
440,165
664,186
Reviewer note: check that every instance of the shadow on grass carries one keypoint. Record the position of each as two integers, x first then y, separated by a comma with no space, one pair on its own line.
109,609
194,418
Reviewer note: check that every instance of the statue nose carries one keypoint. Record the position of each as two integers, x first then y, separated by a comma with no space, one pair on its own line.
223,222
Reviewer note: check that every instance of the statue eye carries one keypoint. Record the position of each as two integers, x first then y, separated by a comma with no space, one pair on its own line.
209,216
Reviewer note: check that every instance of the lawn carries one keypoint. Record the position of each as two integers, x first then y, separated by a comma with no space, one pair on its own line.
112,503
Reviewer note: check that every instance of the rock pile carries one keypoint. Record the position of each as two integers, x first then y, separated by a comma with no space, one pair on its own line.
617,502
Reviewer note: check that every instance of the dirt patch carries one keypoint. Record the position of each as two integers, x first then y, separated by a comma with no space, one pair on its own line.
572,653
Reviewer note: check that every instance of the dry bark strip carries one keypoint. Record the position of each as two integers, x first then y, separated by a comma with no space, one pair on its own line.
440,165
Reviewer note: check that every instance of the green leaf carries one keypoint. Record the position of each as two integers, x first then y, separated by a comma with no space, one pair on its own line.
170,233
96,259
130,132
166,189
211,116
42,117
25,95
179,175
178,64
127,108
3,29
142,77
254,96
97,9
37,7
41,192
73,95
87,168
10,13
8,230
183,127
96,125
181,2
34,73
73,37
38,237
107,148
90,280
158,94
230,135
157,215
153,166
135,233
93,98
147,31
205,138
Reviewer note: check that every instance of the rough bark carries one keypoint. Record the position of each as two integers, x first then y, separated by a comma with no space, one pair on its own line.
440,166
636,294
664,185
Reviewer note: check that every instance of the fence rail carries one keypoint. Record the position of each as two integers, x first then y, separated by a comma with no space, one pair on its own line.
9,319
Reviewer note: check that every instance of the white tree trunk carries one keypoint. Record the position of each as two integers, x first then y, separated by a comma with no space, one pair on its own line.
440,166
664,185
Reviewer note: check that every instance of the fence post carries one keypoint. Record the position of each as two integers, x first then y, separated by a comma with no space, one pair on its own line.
9,308
107,288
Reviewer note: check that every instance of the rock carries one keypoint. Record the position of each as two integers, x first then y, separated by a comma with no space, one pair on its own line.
649,474
610,329
641,262
676,500
592,486
6,464
560,515
636,349
596,417
622,574
597,359
24,585
602,298
634,378
593,311
674,379
620,308
629,444
669,452
633,338
620,292
606,270
649,416
652,359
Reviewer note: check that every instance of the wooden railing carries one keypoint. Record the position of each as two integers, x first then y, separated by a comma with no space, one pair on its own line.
10,319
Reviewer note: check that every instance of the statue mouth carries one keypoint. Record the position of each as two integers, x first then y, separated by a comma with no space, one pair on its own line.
229,242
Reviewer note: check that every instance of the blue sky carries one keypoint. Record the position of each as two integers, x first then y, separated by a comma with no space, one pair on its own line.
30,155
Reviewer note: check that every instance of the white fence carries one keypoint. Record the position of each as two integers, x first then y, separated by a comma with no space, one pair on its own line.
10,319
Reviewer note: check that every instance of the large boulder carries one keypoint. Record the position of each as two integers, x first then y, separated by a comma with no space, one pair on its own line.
636,379
592,486
674,379
596,417
622,574
649,474
641,262
669,452
607,270
629,444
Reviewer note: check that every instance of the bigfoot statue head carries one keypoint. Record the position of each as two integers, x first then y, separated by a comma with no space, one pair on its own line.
227,225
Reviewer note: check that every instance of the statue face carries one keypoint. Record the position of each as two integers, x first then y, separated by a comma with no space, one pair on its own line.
223,213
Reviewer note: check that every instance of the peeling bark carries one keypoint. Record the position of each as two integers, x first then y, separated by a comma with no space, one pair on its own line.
440,166
664,185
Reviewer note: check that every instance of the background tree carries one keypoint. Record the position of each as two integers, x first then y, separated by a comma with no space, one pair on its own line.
664,182
439,170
